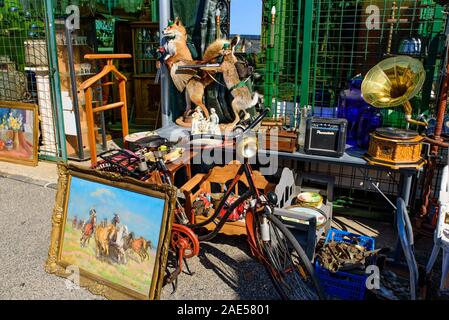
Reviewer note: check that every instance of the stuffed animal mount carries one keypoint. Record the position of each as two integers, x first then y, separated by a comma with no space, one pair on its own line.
193,76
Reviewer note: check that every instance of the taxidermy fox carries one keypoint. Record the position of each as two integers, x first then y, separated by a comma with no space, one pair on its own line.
192,81
177,44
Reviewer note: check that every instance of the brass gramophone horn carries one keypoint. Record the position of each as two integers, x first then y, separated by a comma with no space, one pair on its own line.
393,82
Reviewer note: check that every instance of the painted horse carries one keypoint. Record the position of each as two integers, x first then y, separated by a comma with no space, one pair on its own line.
118,244
88,228
105,235
139,246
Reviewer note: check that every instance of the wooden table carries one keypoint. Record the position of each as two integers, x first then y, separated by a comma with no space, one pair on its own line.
182,162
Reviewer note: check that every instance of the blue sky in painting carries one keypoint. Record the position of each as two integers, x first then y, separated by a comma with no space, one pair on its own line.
246,17
140,213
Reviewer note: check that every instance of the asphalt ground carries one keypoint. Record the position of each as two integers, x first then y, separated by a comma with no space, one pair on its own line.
25,211
224,269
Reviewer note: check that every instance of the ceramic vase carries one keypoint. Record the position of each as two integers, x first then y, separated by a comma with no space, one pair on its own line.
16,142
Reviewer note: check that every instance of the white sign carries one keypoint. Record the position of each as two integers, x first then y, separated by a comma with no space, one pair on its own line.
373,20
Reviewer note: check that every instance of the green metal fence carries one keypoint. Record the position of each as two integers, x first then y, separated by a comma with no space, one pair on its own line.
320,45
27,72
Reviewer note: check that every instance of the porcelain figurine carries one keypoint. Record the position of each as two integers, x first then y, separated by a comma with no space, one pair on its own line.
197,121
214,121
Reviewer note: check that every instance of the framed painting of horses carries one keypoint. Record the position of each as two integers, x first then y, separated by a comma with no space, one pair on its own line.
19,132
110,233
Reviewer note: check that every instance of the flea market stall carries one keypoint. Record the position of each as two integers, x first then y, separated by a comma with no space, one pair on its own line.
327,115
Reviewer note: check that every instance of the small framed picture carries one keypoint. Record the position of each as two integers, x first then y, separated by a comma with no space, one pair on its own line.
19,132
110,233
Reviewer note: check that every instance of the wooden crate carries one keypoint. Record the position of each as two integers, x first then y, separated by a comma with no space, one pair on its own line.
278,139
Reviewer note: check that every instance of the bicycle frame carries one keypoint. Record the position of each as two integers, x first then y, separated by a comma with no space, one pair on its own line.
249,221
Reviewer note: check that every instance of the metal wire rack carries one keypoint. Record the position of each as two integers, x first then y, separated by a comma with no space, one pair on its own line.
313,48
320,45
356,189
24,63
441,162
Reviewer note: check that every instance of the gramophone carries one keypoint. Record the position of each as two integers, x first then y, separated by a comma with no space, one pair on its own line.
393,82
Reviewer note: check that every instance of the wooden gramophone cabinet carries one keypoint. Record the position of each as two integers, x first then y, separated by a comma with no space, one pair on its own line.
395,148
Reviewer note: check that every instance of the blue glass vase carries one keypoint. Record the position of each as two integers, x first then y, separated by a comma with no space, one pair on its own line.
370,120
350,106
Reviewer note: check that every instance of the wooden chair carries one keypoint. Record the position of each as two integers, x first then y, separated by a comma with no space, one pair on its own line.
219,176
87,85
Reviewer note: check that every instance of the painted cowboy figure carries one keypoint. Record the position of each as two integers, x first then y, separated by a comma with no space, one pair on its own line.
89,227
92,219
115,220
75,222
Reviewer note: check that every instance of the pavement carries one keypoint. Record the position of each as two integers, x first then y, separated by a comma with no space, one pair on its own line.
224,269
25,211
44,173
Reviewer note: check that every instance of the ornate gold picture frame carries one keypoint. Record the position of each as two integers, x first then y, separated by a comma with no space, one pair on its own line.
110,233
19,129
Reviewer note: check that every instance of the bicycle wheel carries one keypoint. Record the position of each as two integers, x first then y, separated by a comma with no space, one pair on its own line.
289,267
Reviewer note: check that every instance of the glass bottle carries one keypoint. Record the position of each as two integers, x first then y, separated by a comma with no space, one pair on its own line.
350,107
370,120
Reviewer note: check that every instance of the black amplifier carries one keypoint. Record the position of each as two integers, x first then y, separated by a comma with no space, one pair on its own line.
325,136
